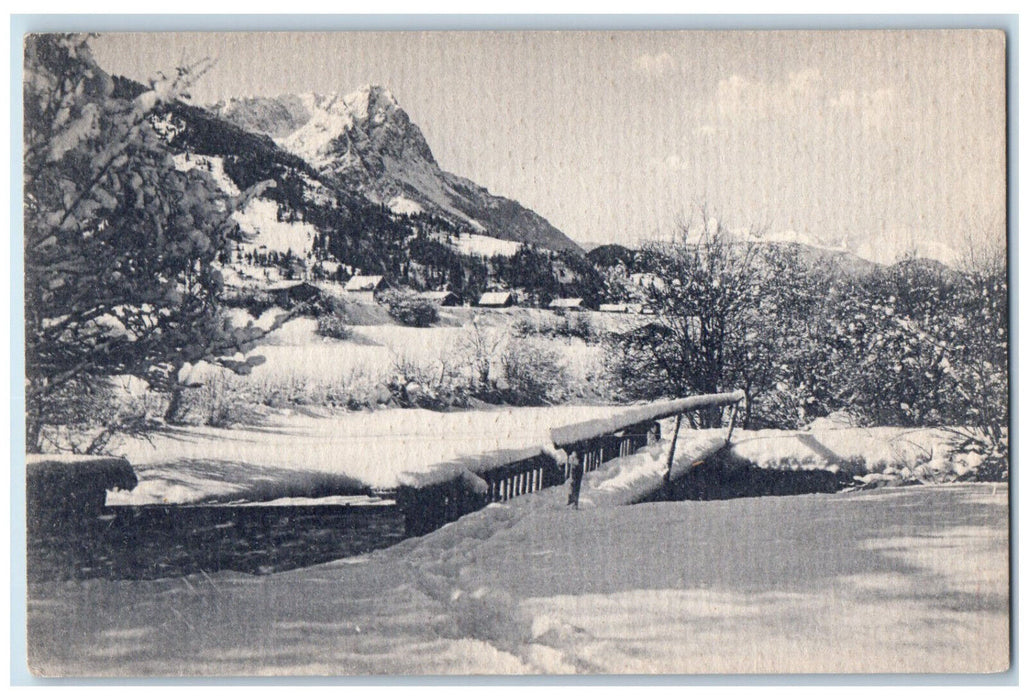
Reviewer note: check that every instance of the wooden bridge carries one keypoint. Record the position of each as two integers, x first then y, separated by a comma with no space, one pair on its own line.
577,449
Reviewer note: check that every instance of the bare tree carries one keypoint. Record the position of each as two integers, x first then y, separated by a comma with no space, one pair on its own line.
714,317
481,345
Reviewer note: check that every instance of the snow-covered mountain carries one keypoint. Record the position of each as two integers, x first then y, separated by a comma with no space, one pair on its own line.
366,143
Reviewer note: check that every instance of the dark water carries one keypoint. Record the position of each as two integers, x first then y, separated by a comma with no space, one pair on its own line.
161,541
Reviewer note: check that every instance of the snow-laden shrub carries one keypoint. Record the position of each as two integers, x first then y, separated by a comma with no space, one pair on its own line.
409,310
333,326
533,373
221,402
436,385
559,325
87,415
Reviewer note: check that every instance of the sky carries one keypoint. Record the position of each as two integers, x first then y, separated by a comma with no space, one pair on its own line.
884,143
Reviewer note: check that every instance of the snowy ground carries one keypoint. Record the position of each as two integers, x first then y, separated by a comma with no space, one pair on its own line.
929,452
897,580
296,355
475,244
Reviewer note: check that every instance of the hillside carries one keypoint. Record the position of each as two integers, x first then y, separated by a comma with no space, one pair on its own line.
324,223
366,142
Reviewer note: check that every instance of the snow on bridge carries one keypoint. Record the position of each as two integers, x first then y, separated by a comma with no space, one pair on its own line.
305,456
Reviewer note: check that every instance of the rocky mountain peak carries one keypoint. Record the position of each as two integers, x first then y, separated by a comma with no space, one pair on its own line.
365,142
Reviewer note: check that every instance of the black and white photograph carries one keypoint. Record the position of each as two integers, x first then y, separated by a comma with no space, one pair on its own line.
516,353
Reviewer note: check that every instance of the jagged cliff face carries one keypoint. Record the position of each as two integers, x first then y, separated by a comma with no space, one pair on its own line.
365,142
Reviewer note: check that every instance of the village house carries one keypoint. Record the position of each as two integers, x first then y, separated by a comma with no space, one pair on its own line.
441,298
364,287
287,293
568,304
497,300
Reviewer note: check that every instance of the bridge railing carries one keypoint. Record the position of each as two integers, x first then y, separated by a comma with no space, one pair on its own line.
468,484
591,443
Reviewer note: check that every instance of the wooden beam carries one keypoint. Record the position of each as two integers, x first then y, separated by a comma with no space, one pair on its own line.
671,450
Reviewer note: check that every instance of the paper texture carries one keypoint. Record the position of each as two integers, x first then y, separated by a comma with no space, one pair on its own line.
364,353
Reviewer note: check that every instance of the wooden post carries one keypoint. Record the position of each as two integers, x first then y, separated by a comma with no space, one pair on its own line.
671,451
577,467
732,422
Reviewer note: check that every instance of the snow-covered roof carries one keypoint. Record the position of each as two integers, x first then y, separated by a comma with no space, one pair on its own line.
567,303
615,308
363,283
495,299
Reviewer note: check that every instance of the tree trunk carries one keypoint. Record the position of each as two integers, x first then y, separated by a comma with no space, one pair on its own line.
171,414
33,419
33,433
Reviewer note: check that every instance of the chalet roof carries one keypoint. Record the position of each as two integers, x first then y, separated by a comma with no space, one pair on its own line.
495,299
615,308
363,283
566,303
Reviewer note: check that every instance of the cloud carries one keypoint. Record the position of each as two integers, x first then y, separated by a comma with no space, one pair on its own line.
738,97
875,108
673,162
656,64
801,93
897,240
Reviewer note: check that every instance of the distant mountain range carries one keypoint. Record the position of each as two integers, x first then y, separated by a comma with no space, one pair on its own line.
365,143
355,189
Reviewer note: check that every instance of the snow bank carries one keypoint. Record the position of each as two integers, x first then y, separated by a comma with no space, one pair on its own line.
853,451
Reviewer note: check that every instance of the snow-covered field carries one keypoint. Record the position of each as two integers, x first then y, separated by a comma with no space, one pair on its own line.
375,354
477,244
259,219
907,580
